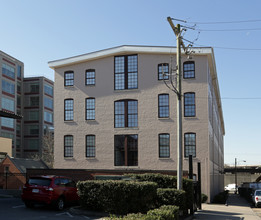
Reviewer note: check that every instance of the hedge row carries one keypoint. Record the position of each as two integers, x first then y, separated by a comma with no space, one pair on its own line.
171,197
168,181
163,213
120,197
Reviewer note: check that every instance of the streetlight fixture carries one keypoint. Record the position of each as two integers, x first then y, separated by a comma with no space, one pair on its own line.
236,174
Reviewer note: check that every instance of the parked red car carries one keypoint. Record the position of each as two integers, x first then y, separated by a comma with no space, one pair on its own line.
50,190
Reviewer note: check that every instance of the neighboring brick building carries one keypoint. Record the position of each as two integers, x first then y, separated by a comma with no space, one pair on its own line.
13,171
113,111
38,113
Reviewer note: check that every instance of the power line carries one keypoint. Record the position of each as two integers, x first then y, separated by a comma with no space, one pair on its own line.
227,30
230,48
223,22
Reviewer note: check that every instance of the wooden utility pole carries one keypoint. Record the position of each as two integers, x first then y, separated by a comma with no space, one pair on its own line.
179,104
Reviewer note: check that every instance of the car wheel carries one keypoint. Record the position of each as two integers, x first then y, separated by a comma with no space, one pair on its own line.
29,204
60,204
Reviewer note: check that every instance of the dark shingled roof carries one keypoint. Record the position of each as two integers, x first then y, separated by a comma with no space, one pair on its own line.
22,164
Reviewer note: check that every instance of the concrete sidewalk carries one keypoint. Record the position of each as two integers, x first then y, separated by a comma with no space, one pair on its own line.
237,208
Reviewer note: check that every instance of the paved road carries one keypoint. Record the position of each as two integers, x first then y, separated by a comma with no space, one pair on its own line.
237,208
13,209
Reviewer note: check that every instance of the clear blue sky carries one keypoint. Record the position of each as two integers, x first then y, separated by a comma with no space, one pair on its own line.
38,31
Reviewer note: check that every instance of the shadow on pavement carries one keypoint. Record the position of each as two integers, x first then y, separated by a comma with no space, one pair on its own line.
206,214
237,200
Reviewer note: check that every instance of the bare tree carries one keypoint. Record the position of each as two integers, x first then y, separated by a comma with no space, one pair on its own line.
48,151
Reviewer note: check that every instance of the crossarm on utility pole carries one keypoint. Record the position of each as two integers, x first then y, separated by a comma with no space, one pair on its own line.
176,32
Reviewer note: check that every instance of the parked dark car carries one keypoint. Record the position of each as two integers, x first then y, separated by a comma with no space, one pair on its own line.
51,190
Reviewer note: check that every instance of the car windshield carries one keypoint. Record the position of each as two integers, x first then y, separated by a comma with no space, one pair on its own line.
39,181
258,193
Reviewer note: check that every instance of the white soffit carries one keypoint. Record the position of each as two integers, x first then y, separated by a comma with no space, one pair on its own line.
121,50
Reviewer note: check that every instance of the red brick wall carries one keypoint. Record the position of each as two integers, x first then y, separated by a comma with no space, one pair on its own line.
15,179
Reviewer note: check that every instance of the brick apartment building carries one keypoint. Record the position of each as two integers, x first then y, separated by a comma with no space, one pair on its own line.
113,111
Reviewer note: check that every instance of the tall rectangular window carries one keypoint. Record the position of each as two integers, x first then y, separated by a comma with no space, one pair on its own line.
163,71
90,77
8,87
8,104
48,103
48,90
68,109
164,146
90,145
189,104
32,116
19,71
90,109
48,117
7,122
34,101
8,71
126,150
126,72
190,144
34,88
68,146
125,113
31,129
189,69
18,86
69,78
32,144
163,108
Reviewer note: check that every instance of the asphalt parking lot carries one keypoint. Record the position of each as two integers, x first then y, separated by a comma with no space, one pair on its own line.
13,209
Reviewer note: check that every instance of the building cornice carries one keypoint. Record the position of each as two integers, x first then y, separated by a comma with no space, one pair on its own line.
123,50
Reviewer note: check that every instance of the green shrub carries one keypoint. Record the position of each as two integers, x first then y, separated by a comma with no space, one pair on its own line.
168,181
162,213
132,216
221,198
204,198
163,181
117,196
171,197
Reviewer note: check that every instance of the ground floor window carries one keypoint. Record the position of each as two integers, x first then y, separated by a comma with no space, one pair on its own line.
190,144
126,150
164,146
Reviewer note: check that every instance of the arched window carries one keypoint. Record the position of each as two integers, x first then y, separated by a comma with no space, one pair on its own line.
163,71
90,145
190,144
189,69
125,113
69,78
90,109
164,146
189,104
68,110
90,77
68,146
125,72
163,105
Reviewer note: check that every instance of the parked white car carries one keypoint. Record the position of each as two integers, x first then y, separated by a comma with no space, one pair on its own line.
256,197
231,187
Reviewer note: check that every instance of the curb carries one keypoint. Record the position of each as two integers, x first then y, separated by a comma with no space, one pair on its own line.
77,210
6,196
